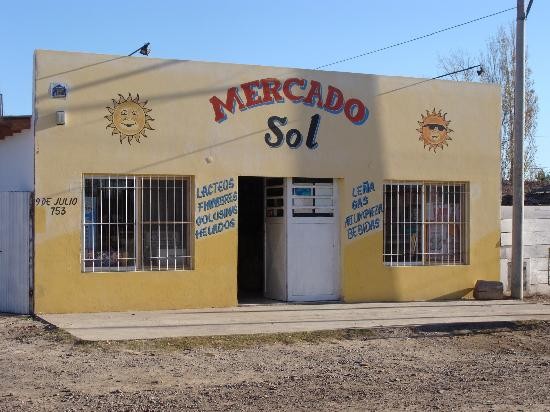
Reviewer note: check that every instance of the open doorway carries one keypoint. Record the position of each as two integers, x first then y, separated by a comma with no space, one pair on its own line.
288,240
250,263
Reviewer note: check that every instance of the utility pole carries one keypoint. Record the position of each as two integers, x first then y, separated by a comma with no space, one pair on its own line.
517,175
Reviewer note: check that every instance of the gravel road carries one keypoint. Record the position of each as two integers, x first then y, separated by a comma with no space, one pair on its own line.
496,367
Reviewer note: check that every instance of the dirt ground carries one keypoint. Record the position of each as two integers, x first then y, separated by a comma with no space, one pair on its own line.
483,367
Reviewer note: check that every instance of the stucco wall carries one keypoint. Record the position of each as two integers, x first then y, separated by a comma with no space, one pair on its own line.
188,141
17,162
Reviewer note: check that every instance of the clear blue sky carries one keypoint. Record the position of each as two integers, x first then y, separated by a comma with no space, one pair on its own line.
303,34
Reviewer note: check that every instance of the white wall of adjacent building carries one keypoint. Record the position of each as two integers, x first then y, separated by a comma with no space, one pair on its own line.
16,175
17,162
536,248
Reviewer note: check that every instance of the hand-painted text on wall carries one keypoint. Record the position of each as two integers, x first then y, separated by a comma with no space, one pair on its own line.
364,218
216,208
296,90
58,206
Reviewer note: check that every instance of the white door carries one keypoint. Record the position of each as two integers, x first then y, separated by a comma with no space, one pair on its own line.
275,281
15,246
312,240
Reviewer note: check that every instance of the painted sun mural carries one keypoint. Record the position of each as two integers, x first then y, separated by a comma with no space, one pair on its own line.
434,130
128,118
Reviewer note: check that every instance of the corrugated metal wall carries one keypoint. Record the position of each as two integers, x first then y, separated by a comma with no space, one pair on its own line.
15,252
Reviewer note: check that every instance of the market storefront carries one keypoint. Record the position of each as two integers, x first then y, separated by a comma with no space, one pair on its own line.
164,184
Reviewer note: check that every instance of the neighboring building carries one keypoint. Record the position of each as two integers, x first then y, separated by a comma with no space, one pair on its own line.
536,237
16,154
536,193
536,246
16,187
164,184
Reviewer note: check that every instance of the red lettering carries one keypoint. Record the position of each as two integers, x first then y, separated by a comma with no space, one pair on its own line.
287,89
271,89
331,104
275,91
230,101
252,98
361,112
315,92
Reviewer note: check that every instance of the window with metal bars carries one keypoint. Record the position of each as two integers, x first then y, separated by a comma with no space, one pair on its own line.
425,223
136,223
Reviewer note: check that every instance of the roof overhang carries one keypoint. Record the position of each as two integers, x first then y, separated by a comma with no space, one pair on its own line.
10,125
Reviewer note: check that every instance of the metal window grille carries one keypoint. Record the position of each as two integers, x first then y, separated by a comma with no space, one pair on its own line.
312,197
136,223
425,223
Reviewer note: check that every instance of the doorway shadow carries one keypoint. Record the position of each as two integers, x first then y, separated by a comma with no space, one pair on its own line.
250,262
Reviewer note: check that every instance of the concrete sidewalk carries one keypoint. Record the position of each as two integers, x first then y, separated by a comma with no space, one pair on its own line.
252,319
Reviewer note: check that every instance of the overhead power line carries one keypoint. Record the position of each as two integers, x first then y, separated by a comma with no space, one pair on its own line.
434,78
414,39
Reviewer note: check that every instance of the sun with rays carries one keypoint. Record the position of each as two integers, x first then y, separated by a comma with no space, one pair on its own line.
128,117
434,130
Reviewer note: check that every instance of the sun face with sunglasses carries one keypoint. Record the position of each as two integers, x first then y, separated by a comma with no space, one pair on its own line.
434,130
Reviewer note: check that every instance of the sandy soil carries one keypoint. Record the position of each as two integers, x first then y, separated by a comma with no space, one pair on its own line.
487,367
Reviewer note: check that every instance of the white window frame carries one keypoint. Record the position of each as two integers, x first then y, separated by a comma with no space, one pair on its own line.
404,223
312,198
274,188
133,192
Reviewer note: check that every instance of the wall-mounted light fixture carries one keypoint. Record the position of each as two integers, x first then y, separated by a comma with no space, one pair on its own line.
60,117
144,50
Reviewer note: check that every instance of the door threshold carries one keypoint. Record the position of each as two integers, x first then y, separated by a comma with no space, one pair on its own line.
260,301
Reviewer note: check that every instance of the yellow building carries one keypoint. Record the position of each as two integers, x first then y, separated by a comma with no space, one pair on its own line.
164,184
